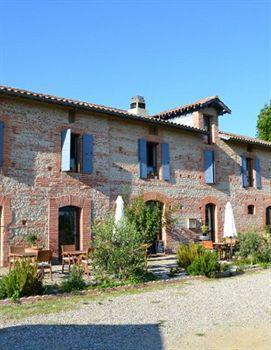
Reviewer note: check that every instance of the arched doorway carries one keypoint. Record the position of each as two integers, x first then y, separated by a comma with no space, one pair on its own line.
268,217
158,243
210,220
69,226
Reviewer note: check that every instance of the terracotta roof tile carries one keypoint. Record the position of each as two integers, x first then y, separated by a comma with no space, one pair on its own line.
171,113
14,92
245,139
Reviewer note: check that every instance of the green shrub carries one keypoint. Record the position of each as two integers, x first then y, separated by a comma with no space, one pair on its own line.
118,251
205,264
74,282
146,218
256,247
21,281
188,253
249,244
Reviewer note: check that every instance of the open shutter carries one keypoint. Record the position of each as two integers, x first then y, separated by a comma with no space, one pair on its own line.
165,162
258,173
142,158
244,171
209,167
87,154
1,143
66,150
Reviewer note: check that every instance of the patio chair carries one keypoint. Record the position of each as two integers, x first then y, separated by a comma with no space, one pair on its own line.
44,261
13,251
67,257
85,261
208,245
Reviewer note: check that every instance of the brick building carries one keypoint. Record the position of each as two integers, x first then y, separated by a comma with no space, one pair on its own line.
63,163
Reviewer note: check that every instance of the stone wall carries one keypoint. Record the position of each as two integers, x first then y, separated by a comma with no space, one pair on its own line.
33,188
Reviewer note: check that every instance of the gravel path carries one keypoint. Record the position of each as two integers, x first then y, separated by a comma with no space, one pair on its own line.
230,313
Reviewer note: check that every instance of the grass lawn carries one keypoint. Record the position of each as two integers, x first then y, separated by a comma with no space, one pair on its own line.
17,311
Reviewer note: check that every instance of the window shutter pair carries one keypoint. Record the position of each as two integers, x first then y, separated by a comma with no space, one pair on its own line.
257,171
209,167
87,152
142,160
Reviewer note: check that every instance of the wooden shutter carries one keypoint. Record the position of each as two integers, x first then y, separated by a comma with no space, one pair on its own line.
244,171
66,150
165,162
142,158
258,173
1,143
87,153
209,167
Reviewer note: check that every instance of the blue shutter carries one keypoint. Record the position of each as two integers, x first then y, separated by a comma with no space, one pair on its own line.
165,162
209,167
1,143
244,171
258,173
66,150
142,158
87,154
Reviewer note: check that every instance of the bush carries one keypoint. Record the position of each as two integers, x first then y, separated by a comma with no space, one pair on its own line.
205,264
118,251
74,282
188,253
21,281
146,219
256,247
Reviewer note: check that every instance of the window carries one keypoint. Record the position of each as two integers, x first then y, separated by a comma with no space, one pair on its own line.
153,157
76,152
152,160
249,166
251,172
250,209
75,164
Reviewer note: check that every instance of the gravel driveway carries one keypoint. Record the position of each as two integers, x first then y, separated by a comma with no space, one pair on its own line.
230,313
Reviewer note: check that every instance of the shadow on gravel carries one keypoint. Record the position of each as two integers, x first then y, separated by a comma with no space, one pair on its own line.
83,337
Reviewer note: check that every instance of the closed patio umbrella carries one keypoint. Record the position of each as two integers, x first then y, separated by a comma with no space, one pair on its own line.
119,214
229,224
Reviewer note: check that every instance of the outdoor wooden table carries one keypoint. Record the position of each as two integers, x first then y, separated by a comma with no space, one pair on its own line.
26,255
76,254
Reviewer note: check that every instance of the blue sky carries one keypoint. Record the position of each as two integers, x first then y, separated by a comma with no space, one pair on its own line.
171,52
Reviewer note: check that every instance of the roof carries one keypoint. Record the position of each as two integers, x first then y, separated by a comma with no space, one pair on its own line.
67,102
205,102
226,136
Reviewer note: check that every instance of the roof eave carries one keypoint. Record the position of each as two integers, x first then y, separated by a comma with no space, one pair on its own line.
247,142
128,116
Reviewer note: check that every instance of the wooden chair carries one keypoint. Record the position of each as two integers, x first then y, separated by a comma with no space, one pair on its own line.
67,258
208,245
44,261
85,261
13,251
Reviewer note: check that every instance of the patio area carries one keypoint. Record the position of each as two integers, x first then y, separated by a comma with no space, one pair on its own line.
159,265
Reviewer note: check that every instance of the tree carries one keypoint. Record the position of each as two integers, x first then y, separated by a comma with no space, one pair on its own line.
264,123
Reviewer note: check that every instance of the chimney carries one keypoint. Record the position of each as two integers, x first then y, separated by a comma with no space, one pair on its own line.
138,106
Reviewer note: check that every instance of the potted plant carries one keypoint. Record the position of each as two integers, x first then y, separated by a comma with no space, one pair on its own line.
32,242
204,230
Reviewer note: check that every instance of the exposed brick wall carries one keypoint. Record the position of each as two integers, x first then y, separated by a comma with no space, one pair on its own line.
36,188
